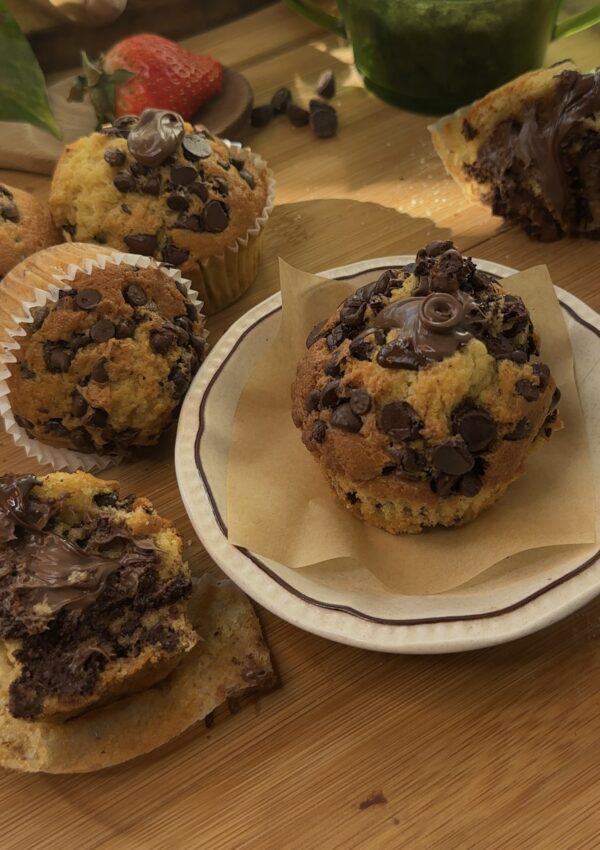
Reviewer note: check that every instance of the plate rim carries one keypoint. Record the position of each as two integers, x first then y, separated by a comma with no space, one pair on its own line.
218,358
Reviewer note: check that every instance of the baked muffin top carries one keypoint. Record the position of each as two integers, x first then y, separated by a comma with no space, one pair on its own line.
26,226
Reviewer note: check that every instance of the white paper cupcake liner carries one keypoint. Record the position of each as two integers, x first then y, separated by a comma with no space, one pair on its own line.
66,459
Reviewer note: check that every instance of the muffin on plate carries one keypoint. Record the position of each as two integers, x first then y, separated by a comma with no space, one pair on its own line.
422,395
531,151
103,364
156,186
26,226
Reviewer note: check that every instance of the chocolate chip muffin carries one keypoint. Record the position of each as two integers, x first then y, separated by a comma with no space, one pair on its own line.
93,595
156,186
26,226
423,394
104,368
531,151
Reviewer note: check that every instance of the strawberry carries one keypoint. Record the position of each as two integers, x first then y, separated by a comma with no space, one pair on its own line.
148,71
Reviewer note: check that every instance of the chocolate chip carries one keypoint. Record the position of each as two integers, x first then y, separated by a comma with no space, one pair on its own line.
70,229
280,100
237,162
353,313
452,458
124,181
184,323
468,131
324,122
5,191
297,116
87,299
200,190
326,84
99,417
345,419
135,295
100,238
138,169
26,372
329,396
183,175
222,186
57,357
521,430
196,146
400,421
360,349
476,427
335,336
543,373
9,211
502,349
442,484
23,423
125,329
180,382
151,185
115,156
261,115
38,314
399,354
141,243
126,209
224,163
556,396
437,247
106,500
78,341
470,484
529,391
81,440
177,202
245,175
102,330
198,343
333,367
409,462
312,401
161,341
79,405
174,255
316,103
215,217
190,222
315,334
360,402
191,310
99,372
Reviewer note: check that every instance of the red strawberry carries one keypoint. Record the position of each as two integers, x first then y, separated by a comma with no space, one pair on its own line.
148,71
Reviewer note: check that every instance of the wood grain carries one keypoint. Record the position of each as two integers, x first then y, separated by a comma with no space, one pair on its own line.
488,749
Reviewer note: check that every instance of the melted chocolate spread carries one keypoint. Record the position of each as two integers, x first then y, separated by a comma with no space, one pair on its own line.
155,136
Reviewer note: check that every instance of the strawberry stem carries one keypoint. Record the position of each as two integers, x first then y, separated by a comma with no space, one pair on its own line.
99,86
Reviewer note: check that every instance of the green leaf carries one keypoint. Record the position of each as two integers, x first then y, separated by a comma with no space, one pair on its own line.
22,86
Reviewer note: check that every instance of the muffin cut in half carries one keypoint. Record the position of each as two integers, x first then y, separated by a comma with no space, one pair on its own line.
422,395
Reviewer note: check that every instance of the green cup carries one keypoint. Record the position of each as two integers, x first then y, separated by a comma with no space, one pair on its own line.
433,56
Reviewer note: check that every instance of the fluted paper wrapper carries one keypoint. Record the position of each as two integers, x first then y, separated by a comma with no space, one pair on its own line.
33,283
280,505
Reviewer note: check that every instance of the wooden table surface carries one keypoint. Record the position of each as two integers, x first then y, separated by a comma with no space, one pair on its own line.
487,749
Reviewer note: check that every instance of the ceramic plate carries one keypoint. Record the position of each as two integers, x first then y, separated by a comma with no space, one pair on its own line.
492,609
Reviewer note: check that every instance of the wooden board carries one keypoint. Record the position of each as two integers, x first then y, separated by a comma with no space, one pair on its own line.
489,749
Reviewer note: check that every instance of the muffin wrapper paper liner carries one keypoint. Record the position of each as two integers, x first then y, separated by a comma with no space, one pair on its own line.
17,312
279,504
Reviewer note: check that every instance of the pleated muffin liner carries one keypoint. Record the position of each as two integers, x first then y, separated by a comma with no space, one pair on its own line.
226,276
57,458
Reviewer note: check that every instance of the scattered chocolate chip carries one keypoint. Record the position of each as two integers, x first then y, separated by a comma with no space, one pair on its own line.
87,299
126,209
191,310
57,357
360,402
361,349
26,372
78,341
127,436
409,462
521,430
280,100
353,313
297,116
125,329
138,169
312,401
200,190
329,396
81,440
261,115
190,222
543,373
215,217
106,500
222,186
79,405
178,202
399,354
437,247
4,190
245,175
174,255
180,382
142,243
237,162
135,295
335,336
23,423
99,417
99,372
452,458
124,181
315,334
151,185
345,419
196,146
102,330
528,390
316,103
224,163
502,349
326,84
70,229
183,175
400,421
333,367
9,211
115,156
100,238
198,343
318,432
442,484
468,131
161,341
324,122
476,427
470,484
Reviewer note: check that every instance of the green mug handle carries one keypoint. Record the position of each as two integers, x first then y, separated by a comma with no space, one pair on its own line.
318,16
577,23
